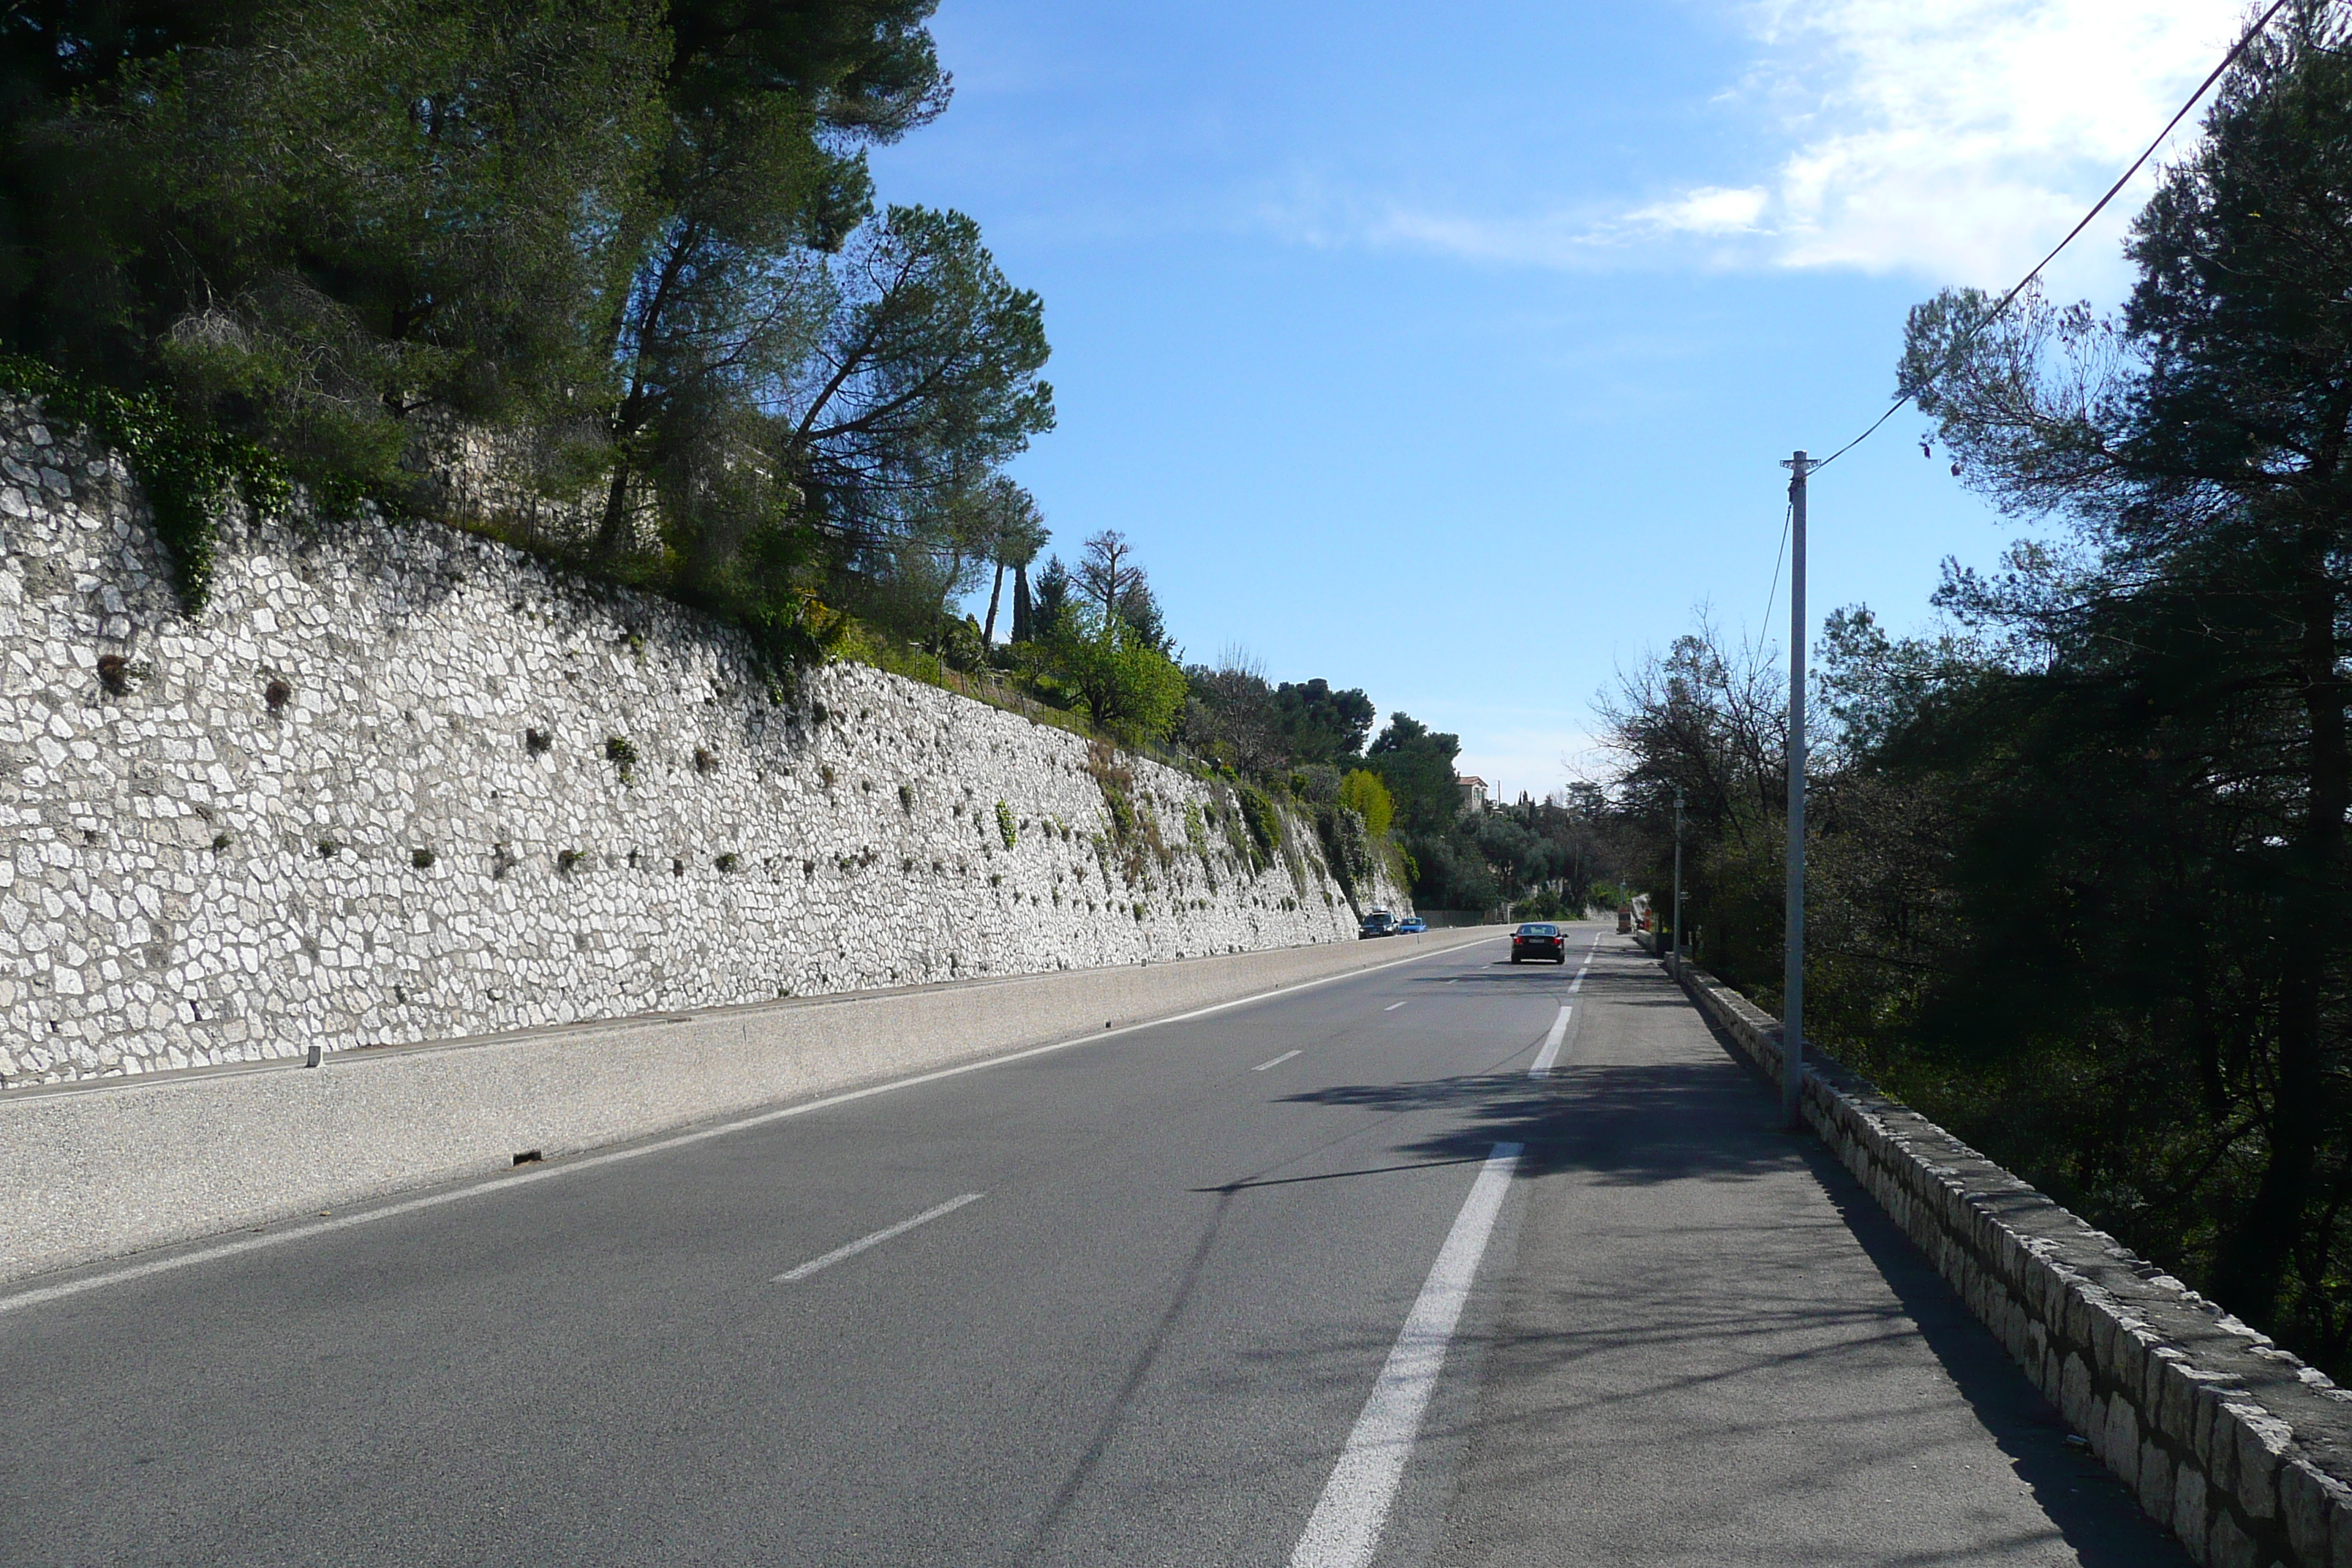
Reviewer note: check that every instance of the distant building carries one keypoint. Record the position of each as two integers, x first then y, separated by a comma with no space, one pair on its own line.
1474,794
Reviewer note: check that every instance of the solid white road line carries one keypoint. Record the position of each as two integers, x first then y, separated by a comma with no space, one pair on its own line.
503,1183
1275,1063
876,1239
1345,1528
1393,1007
1550,1052
1577,984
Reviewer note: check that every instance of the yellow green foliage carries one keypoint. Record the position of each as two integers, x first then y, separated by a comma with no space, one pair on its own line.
1368,797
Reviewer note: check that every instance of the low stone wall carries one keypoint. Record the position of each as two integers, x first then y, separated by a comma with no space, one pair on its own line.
397,782
2238,1447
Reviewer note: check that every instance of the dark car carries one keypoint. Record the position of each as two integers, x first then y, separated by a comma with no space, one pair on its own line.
1412,924
1536,939
1379,922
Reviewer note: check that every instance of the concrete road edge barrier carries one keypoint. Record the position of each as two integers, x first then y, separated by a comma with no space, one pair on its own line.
2239,1449
96,1170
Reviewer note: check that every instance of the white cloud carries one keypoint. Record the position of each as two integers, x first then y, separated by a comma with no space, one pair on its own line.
1962,139
1710,209
1958,139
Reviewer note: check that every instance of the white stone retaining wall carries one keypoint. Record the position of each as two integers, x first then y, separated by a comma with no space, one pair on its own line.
397,782
2237,1446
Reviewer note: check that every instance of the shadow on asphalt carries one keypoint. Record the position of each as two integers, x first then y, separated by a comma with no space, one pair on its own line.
1676,1143
1639,1125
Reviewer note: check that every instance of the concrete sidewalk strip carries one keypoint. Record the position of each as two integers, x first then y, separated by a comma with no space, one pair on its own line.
91,1171
1704,1352
2234,1445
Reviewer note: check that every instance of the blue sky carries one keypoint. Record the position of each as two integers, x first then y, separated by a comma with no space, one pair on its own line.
1451,352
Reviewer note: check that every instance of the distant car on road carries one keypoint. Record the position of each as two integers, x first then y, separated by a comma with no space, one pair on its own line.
1410,924
1538,939
1379,922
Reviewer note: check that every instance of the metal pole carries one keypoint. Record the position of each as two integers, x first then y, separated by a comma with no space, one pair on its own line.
1792,961
1677,966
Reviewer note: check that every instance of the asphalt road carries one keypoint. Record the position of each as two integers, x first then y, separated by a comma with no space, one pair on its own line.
1325,1279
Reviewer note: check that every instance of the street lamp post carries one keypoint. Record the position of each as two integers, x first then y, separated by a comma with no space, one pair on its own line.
1793,954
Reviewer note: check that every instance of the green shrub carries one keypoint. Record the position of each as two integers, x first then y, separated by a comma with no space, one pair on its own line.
1005,826
1130,689
1362,793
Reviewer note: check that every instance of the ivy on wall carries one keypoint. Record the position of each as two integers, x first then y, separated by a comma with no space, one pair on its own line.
188,469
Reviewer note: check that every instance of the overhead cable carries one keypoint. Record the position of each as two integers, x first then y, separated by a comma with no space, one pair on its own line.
1969,336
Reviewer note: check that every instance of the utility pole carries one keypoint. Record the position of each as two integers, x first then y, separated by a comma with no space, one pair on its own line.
1677,966
1792,959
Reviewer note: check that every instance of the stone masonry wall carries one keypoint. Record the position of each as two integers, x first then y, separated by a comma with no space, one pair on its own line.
2237,1446
399,783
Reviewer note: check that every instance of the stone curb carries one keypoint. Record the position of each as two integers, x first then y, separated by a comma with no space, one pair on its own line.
94,1171
2239,1449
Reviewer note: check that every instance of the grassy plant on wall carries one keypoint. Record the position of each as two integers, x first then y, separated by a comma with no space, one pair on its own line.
1004,826
1264,827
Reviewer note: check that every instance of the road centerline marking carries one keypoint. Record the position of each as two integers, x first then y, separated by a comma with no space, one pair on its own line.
1275,1063
875,1240
1393,1006
489,1185
1550,1052
1345,1528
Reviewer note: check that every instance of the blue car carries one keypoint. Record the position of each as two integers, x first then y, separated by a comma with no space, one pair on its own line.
1410,924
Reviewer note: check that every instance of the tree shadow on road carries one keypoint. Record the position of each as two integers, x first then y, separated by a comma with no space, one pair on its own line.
1628,1124
1730,1299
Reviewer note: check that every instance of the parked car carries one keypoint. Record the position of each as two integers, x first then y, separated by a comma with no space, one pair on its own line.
1410,924
1539,940
1379,922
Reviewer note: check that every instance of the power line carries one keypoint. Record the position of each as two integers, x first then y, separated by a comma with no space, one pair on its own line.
1969,336
1764,626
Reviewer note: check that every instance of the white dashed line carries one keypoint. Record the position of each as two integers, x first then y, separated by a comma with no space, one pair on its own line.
503,1183
876,1239
1393,1007
1275,1063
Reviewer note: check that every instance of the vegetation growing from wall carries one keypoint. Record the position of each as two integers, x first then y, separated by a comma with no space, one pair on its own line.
190,468
605,278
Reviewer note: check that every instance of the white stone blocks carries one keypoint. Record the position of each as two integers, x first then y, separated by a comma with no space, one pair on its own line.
412,679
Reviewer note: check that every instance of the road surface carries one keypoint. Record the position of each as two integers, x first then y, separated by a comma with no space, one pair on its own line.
1452,1262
